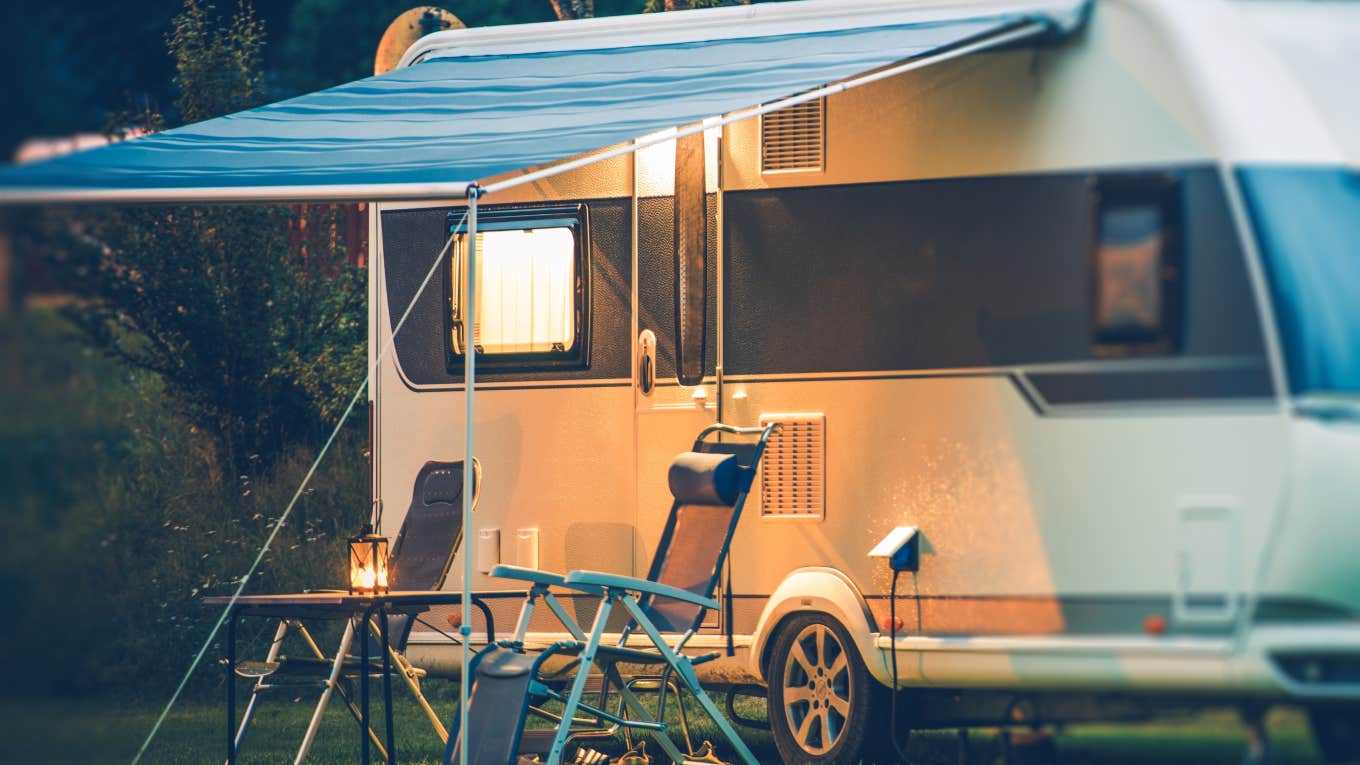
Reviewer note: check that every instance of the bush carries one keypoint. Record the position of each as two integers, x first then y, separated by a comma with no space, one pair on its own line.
252,317
125,520
146,477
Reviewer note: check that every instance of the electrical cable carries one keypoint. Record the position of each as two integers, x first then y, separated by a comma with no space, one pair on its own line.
451,638
306,479
898,747
892,657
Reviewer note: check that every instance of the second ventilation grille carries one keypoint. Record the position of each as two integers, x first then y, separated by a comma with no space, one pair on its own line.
794,138
793,469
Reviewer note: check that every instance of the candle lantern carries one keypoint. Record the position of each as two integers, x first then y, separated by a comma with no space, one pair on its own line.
368,563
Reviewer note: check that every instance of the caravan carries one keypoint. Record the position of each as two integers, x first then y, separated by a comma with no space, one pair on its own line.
1082,312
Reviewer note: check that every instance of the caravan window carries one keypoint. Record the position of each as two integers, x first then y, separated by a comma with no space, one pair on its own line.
1307,222
1136,265
531,296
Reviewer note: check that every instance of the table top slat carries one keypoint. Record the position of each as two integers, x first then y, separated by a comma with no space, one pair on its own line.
344,601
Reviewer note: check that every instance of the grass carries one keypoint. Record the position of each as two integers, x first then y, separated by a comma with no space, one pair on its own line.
93,732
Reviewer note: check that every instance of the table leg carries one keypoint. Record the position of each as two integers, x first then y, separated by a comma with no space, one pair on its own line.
231,687
363,678
332,682
387,687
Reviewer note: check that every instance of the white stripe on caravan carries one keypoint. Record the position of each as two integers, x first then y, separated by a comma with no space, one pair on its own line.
1060,644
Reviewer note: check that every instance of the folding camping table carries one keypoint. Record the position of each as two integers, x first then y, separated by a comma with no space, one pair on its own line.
331,605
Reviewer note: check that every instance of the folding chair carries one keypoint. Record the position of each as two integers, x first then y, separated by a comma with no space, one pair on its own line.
710,485
421,556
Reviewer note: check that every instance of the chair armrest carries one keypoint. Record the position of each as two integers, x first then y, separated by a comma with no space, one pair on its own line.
615,581
519,573
545,578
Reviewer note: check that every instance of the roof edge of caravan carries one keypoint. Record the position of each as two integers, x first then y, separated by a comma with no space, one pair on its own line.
1218,48
729,22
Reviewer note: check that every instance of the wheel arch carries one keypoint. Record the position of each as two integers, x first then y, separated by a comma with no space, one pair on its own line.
826,590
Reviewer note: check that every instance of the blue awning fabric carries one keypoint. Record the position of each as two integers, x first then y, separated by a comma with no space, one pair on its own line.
463,115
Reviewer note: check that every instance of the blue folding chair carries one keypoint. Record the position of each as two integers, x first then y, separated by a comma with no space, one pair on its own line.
710,484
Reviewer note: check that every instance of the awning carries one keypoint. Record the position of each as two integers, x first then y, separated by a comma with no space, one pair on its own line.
478,106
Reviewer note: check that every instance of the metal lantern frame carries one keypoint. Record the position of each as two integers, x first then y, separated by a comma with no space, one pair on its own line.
368,574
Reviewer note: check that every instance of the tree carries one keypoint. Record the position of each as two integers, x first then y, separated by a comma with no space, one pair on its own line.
252,316
330,42
577,9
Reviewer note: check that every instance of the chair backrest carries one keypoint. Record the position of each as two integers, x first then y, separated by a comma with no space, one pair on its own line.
710,485
429,538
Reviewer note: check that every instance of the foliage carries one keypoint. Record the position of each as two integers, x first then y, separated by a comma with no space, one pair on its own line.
127,519
252,316
141,486
217,69
73,63
333,41
657,6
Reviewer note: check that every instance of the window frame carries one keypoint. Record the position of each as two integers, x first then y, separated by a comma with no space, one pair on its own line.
574,216
1162,191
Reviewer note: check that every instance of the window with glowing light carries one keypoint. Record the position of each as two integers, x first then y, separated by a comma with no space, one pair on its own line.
531,276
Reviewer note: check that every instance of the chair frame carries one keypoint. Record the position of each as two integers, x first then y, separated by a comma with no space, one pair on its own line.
632,594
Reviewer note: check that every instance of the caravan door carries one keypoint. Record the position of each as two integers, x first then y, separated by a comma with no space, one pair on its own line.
675,388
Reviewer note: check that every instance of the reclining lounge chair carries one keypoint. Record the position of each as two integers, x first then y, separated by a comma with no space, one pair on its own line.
710,485
421,556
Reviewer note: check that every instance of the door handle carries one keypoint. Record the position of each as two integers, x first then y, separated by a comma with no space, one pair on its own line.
646,362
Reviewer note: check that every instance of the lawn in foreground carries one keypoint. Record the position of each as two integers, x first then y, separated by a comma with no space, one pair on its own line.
109,731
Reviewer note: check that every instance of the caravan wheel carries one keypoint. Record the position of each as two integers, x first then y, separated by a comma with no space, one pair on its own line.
825,708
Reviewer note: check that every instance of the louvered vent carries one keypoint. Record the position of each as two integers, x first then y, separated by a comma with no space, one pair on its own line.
792,472
793,138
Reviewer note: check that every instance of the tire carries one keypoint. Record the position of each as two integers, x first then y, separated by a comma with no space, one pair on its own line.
825,707
1336,731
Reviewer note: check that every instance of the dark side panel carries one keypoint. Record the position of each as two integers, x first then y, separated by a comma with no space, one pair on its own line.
956,274
412,240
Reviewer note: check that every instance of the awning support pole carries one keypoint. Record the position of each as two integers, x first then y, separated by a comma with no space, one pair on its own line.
469,277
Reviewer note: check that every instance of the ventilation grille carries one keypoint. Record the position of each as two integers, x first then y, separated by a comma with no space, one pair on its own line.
793,138
792,472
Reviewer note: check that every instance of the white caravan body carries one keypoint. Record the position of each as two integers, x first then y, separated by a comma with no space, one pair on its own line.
1032,302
